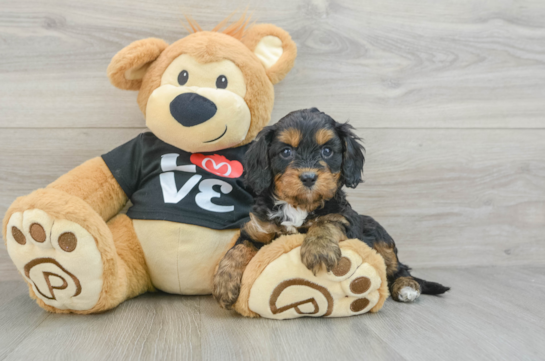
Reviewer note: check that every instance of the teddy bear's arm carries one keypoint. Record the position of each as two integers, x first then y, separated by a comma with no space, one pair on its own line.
94,183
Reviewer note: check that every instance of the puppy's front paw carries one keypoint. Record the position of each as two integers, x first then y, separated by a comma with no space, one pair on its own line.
227,287
317,252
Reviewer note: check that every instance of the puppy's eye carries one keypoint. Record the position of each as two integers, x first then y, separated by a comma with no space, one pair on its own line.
183,77
327,152
221,82
286,153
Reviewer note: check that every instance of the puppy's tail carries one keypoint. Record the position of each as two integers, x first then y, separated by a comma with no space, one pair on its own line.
431,288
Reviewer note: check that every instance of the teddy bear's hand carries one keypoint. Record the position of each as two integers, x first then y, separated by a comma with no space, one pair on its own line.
318,251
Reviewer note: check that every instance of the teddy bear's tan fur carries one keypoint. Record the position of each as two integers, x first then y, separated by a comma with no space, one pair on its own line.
90,196
119,258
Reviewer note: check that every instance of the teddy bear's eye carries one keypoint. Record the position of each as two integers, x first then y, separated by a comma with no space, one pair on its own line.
221,82
183,77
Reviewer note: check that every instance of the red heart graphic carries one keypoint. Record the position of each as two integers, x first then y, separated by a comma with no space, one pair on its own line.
218,165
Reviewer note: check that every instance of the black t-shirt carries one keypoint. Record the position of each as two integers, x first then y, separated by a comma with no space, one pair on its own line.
167,183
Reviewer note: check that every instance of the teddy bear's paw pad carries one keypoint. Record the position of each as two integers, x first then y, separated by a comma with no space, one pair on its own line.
348,306
58,258
287,289
347,265
360,291
364,280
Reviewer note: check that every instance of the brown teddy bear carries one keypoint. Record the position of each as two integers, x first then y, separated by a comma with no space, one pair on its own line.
204,97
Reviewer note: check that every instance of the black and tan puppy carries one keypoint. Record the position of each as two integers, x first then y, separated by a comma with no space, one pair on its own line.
297,169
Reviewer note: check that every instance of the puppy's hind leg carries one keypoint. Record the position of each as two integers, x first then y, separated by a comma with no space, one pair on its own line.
228,277
403,286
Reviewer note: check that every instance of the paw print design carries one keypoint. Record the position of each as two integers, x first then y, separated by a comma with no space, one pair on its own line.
58,258
287,289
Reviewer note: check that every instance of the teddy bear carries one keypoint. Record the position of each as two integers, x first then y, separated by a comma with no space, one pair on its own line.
204,97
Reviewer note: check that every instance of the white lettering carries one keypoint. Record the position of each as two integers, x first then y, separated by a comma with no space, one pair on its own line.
204,197
168,164
170,191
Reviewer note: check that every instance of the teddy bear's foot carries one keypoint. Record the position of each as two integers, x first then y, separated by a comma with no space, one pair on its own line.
58,258
285,288
349,289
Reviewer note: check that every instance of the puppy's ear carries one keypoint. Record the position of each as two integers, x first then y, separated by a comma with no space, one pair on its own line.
256,162
353,157
130,64
273,47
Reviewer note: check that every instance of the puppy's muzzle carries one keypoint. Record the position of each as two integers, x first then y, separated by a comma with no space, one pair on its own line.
190,109
308,179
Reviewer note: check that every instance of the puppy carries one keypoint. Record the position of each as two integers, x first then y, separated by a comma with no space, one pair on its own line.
297,169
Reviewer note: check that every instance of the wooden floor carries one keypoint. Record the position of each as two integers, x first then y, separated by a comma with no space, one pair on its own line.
492,313
450,99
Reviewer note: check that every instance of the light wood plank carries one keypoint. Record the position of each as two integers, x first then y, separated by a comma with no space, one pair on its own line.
471,64
449,197
519,288
8,271
150,327
479,319
226,336
457,197
19,315
491,313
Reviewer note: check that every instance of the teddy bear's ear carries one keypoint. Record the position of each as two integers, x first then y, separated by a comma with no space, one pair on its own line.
128,67
274,48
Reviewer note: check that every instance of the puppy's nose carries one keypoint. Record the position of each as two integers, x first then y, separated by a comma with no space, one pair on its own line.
308,178
191,109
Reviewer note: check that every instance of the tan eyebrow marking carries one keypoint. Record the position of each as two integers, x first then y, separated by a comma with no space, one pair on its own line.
324,135
291,136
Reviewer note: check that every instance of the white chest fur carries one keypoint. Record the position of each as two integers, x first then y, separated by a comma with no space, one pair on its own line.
289,216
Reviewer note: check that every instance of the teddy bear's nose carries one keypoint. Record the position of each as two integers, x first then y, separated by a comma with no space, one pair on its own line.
191,109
